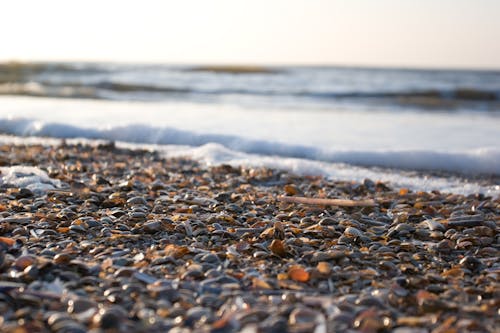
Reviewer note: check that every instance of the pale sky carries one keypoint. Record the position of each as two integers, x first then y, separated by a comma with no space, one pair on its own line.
412,33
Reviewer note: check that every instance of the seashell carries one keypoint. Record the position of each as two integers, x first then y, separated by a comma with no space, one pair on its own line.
434,225
24,261
298,273
277,247
134,201
353,232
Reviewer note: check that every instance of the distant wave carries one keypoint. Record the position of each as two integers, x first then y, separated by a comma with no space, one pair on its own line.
287,87
484,161
30,68
228,69
456,94
125,91
18,72
78,90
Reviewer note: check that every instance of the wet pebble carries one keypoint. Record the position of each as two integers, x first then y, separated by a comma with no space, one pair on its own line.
147,244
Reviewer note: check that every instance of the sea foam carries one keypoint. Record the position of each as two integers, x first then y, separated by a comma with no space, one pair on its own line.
213,154
29,177
468,161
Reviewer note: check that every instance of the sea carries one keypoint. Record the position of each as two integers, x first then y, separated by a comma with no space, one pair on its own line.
421,129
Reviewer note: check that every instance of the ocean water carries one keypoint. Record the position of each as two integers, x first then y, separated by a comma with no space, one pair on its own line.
345,123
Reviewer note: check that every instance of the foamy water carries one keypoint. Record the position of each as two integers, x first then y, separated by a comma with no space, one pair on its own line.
337,144
343,123
32,178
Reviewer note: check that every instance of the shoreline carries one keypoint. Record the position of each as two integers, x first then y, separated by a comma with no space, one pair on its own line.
413,179
139,242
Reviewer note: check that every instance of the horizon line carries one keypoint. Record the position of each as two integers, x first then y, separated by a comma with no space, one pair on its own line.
257,64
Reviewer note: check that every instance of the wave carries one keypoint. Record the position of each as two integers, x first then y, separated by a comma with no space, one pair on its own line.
302,86
456,94
477,161
18,72
79,90
227,69
127,91
215,154
30,68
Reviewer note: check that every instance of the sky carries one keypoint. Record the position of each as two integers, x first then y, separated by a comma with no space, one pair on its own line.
399,33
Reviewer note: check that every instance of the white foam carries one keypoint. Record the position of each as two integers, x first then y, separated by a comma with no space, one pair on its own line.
471,161
32,178
340,130
328,142
214,154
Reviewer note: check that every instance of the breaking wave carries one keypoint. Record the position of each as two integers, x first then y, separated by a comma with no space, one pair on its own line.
420,89
475,161
99,90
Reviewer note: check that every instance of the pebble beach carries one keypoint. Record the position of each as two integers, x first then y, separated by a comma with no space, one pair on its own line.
119,240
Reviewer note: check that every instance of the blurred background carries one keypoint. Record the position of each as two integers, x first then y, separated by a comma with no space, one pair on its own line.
405,91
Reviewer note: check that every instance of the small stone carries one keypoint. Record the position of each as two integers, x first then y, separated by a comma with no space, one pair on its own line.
152,227
290,189
302,316
353,232
80,305
434,225
111,318
137,201
471,263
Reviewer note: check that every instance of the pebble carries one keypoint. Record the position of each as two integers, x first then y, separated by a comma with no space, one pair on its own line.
149,244
152,227
353,232
137,201
111,318
434,225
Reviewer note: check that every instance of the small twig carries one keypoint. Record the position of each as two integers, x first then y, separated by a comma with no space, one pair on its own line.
329,202
60,191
